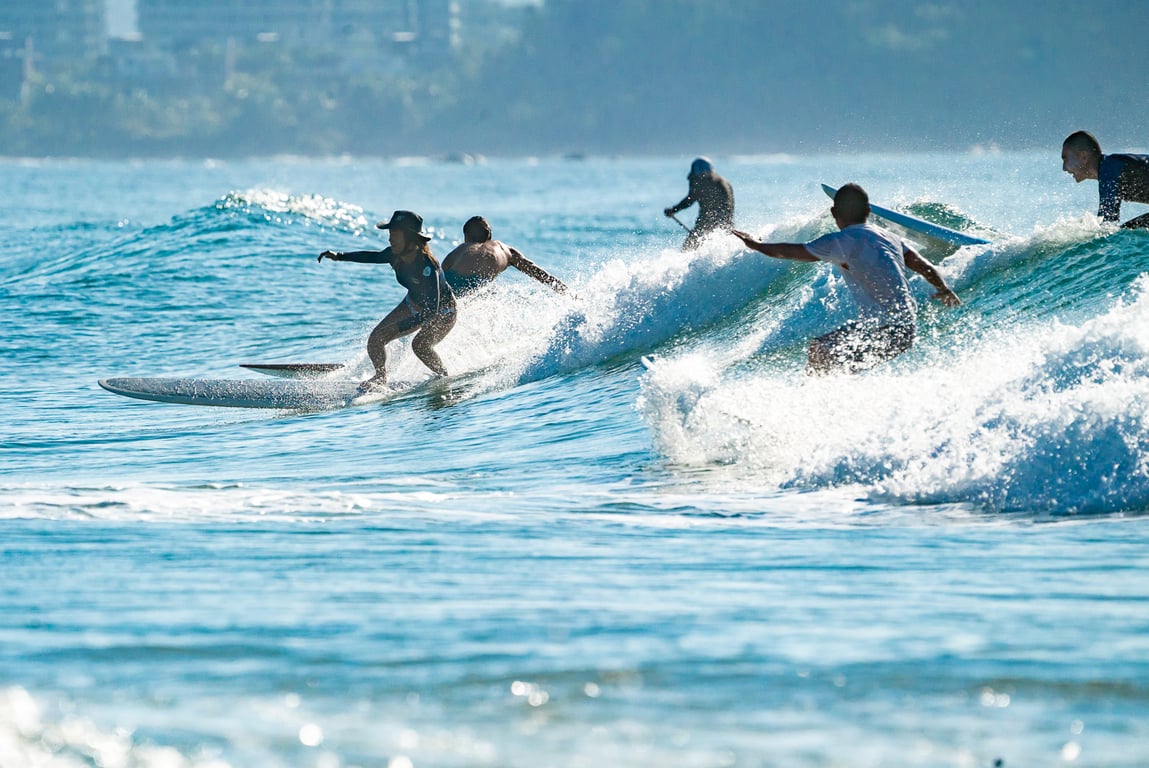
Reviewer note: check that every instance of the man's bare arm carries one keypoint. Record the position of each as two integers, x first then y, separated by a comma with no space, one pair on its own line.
528,267
788,251
927,270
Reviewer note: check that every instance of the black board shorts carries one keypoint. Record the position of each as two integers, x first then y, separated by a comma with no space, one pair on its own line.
857,346
464,284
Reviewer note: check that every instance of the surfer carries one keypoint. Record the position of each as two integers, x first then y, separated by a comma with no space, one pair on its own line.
715,198
873,263
429,306
480,259
1119,177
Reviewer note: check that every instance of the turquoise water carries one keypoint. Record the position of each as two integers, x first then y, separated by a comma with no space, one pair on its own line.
564,558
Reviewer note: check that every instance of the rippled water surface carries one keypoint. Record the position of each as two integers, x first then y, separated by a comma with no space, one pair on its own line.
561,557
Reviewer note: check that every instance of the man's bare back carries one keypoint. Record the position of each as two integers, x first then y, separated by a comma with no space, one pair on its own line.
480,259
488,259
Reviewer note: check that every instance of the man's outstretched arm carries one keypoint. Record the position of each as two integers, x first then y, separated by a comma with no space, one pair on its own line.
528,267
788,251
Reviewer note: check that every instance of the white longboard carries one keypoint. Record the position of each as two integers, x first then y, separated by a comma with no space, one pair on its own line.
282,394
294,370
247,393
914,224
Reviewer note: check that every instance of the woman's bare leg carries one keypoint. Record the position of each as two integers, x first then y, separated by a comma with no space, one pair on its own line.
386,331
423,345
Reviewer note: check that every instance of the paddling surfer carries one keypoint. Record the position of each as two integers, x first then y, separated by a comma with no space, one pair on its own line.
481,258
715,198
1119,177
873,263
428,307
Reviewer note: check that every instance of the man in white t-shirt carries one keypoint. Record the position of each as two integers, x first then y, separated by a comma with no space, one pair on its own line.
873,263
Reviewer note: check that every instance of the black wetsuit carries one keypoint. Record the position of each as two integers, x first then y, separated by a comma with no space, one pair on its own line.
428,295
1123,177
715,198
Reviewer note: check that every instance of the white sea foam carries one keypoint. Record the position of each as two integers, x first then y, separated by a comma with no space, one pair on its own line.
634,306
410,496
1048,417
276,205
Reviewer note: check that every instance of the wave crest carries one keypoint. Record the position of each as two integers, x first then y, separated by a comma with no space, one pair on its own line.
1048,417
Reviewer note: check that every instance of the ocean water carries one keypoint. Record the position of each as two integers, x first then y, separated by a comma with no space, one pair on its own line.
563,558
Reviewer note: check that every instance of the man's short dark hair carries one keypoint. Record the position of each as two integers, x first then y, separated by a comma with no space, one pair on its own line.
477,230
1083,140
852,203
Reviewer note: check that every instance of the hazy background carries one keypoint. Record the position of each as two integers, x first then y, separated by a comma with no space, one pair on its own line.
740,75
121,18
606,76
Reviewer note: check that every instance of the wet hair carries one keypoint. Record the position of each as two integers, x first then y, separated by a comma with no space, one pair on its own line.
424,248
414,241
852,203
1083,140
477,230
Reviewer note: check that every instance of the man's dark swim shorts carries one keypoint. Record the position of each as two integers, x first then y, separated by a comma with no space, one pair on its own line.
861,345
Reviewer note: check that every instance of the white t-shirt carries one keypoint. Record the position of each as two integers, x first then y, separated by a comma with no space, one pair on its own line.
873,262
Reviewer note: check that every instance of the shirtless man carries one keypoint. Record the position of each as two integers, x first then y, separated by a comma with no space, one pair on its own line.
1119,177
480,259
874,263
715,198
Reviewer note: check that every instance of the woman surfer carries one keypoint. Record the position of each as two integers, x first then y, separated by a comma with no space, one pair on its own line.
429,306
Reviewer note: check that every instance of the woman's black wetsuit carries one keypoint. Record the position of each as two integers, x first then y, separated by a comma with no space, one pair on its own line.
428,294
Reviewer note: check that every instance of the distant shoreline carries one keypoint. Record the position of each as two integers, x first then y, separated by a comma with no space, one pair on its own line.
449,159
